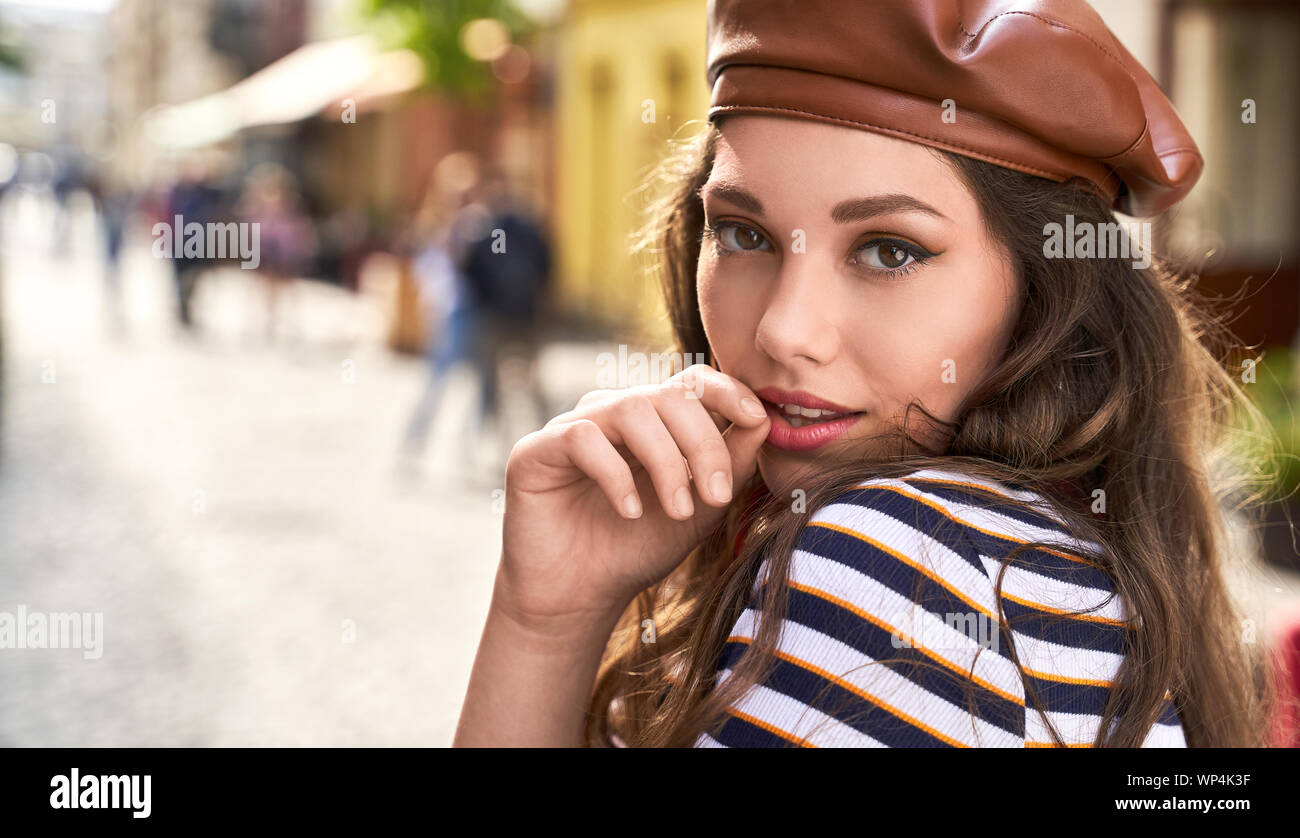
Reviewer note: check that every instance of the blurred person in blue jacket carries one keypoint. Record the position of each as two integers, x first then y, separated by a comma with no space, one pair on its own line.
508,268
442,229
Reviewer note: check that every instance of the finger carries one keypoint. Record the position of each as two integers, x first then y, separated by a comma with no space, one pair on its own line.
582,408
719,421
560,419
587,447
700,441
720,393
744,444
638,426
593,397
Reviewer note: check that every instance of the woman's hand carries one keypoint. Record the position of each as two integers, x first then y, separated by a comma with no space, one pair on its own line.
599,504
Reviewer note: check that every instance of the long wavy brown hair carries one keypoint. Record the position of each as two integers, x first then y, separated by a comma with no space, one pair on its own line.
1116,379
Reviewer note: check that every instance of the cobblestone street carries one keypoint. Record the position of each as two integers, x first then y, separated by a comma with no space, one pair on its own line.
235,511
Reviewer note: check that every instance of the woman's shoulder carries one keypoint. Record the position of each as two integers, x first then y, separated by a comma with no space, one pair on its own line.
959,509
959,534
1002,546
896,616
956,489
937,549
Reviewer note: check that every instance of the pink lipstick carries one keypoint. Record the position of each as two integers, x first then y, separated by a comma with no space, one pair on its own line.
802,421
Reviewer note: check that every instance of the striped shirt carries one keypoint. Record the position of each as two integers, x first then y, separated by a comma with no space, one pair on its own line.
892,637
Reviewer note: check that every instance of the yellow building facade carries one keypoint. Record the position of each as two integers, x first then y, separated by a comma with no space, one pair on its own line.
630,76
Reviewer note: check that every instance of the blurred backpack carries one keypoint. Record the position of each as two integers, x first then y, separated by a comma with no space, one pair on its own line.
508,269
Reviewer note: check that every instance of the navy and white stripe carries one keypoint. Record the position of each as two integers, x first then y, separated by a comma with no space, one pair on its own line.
876,650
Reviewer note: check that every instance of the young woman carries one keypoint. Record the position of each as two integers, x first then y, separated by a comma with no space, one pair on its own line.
1006,532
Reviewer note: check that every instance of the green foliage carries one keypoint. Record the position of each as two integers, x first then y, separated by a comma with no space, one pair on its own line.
431,29
1275,392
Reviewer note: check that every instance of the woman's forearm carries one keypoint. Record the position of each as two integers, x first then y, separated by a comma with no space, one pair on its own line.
531,683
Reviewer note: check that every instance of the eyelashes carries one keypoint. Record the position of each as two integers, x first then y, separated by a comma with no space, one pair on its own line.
894,256
721,231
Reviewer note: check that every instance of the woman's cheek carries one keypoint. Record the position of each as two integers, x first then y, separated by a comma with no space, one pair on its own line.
926,374
704,291
719,308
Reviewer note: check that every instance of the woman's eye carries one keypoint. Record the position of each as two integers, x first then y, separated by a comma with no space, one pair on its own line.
735,236
890,255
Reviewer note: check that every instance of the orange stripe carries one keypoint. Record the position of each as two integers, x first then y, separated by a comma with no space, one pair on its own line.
1064,679
803,664
1074,615
905,560
770,728
941,510
871,618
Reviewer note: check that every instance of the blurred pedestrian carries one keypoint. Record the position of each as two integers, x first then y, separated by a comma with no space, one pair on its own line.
441,232
68,178
195,198
286,235
113,203
508,269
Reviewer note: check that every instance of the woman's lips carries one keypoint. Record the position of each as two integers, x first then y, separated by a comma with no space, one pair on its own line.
776,395
785,436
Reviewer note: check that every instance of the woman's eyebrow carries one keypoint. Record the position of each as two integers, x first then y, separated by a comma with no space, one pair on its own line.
856,209
732,194
860,209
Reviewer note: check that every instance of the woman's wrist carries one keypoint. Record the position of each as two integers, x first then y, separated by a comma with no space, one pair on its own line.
561,618
554,631
533,676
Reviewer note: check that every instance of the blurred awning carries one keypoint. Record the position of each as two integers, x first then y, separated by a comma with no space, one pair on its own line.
303,83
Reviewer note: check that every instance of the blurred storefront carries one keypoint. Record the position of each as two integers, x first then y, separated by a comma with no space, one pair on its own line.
354,122
631,78
168,52
1230,68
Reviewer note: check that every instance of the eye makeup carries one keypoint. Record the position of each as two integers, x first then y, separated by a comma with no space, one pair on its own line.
894,256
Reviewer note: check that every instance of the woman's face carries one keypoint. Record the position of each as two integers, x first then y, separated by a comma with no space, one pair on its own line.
853,267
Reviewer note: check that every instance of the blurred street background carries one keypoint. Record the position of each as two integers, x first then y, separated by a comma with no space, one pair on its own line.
276,467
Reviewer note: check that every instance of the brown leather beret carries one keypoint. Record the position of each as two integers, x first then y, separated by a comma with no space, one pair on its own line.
1040,86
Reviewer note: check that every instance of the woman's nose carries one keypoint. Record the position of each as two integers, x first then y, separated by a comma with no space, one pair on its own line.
800,318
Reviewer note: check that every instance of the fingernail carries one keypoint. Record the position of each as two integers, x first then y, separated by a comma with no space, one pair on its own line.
720,485
682,500
752,407
632,506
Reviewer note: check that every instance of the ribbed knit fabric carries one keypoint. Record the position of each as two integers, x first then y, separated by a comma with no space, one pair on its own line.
892,640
